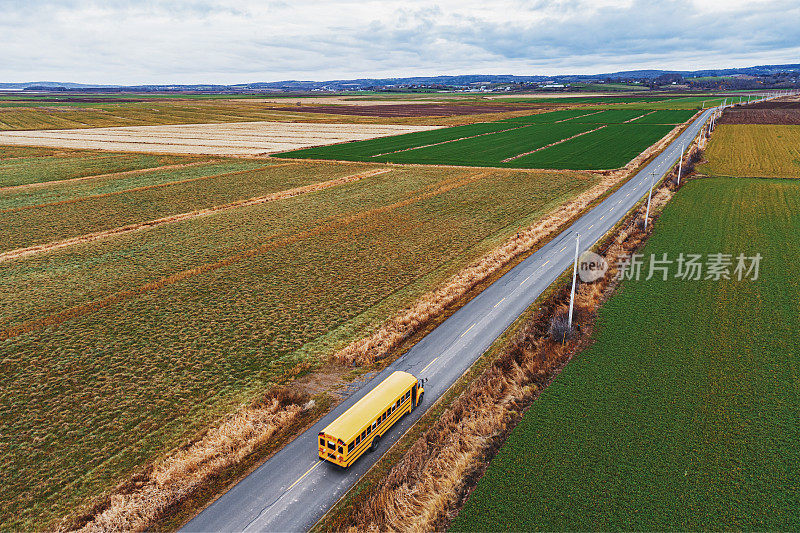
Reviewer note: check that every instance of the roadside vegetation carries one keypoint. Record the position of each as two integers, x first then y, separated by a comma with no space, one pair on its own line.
115,351
426,476
681,413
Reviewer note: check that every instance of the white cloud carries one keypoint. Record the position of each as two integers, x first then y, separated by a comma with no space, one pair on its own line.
222,41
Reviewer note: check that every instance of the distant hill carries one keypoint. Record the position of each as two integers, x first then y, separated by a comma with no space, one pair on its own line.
428,81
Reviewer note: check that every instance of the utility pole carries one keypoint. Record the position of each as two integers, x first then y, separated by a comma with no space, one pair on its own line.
680,164
574,278
649,195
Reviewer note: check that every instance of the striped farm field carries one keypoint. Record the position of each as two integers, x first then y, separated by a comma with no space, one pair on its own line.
489,150
114,351
667,116
20,165
66,210
544,140
756,150
684,413
611,147
367,150
610,116
551,117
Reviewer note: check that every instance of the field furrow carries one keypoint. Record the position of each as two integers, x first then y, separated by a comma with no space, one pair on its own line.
285,282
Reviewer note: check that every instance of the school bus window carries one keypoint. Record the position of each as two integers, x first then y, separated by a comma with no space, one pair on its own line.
341,450
350,447
332,446
398,402
364,434
369,430
321,441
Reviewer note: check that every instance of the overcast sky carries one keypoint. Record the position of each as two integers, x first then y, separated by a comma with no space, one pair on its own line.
221,41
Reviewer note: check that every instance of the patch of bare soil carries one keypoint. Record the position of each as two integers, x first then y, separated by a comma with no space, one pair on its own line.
770,112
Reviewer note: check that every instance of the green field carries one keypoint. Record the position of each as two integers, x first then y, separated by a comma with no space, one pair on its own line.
489,150
611,147
569,100
172,327
686,102
492,143
685,412
584,115
667,116
756,150
365,150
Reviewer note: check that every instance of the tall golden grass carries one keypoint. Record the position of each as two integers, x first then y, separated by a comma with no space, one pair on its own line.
425,488
181,473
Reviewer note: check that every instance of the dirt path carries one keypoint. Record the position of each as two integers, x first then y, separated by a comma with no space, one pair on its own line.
450,141
637,118
579,116
146,187
552,144
281,195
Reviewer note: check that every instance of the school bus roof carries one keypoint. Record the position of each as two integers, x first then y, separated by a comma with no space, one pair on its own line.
375,402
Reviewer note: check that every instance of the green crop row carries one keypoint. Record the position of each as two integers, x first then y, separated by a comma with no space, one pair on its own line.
667,116
490,150
683,413
611,147
367,150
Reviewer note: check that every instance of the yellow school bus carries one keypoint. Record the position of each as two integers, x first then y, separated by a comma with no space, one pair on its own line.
360,427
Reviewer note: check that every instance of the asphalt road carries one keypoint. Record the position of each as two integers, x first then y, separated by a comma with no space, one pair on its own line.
293,489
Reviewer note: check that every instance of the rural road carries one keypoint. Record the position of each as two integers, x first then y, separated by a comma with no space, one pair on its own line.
293,489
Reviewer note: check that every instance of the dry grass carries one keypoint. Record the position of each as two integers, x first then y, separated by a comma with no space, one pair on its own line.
405,324
422,491
281,195
409,321
182,472
754,150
